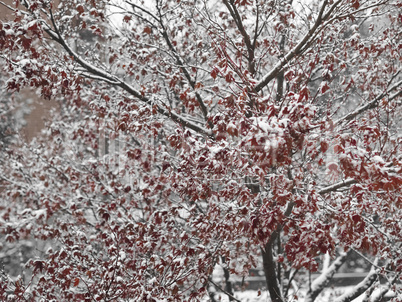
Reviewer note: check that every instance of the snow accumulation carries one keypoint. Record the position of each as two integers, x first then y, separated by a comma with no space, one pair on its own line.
328,295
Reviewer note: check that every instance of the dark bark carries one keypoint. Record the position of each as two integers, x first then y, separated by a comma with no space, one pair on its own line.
228,283
270,271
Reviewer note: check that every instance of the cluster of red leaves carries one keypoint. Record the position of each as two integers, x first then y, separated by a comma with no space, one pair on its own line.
140,190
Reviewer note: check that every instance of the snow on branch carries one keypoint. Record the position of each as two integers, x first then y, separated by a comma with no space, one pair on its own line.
372,104
224,291
385,291
322,281
297,50
336,186
111,79
360,288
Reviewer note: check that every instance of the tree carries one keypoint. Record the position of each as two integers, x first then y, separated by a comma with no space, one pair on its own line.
193,134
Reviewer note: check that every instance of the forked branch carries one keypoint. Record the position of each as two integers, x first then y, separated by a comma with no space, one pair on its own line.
103,75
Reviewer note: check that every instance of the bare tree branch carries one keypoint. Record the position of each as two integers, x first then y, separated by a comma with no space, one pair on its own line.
184,69
250,46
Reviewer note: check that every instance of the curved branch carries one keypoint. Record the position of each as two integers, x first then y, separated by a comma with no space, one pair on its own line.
101,74
185,71
269,265
359,288
322,281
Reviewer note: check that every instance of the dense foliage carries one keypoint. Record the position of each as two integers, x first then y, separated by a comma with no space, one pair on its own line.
196,134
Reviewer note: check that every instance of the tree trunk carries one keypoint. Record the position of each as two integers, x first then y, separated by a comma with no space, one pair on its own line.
270,271
228,283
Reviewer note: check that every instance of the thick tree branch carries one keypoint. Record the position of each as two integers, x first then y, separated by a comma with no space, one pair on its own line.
380,296
360,288
269,262
322,281
228,283
269,269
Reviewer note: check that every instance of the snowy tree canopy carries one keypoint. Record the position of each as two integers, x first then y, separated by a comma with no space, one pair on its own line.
191,135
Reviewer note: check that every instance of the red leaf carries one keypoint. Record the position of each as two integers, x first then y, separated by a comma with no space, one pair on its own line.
338,149
333,167
80,9
355,4
214,72
147,30
324,146
198,85
304,93
33,27
65,83
165,165
229,77
26,42
324,87
38,266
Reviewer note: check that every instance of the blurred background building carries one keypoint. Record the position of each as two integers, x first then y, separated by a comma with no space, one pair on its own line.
31,114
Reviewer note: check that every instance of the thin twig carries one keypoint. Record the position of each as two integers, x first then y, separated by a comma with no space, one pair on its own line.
222,290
